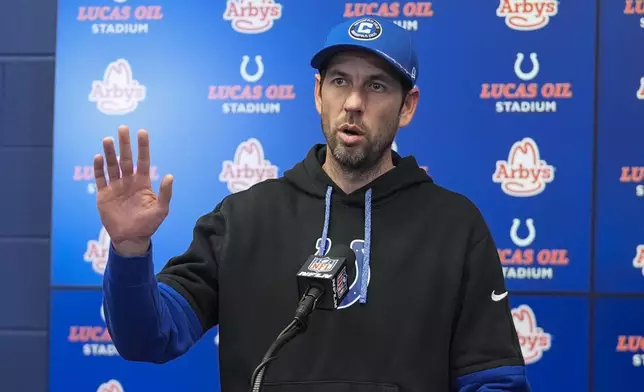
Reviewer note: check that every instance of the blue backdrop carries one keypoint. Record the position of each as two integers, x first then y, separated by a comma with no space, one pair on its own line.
531,108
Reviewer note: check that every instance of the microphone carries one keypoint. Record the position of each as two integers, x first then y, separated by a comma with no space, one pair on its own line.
322,283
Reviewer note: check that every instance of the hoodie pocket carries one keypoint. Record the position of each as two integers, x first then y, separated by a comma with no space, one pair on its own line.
329,386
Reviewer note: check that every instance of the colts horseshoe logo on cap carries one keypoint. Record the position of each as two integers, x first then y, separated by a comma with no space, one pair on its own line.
365,29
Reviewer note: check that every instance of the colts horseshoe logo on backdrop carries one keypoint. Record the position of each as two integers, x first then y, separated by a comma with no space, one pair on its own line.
532,233
526,75
243,69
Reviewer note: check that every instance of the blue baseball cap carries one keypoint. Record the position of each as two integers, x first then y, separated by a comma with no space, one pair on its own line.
375,35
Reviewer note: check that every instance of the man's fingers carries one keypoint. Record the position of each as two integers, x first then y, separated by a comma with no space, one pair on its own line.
99,172
165,191
125,151
143,156
110,156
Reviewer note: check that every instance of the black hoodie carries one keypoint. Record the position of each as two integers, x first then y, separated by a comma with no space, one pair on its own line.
426,317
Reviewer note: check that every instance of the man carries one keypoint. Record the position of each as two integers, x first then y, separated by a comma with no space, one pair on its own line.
424,312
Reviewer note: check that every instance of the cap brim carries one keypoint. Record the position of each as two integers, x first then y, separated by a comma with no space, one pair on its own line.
320,59
325,54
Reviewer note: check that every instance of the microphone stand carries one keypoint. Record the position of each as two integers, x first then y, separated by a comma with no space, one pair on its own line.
307,304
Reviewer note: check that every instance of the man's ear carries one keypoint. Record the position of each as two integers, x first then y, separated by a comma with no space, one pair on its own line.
409,107
318,93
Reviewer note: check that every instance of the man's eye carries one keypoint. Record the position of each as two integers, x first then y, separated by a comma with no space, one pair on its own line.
338,81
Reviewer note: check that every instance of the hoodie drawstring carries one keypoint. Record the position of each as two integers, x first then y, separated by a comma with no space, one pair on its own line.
364,279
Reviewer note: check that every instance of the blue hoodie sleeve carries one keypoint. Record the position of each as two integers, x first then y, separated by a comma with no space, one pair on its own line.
501,379
158,318
147,320
485,351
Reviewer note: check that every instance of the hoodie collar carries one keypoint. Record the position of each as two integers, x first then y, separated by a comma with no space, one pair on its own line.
309,177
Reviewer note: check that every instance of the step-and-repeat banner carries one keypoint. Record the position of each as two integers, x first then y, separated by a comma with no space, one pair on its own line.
531,108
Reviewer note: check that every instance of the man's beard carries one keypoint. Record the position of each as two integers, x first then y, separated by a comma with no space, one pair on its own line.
363,158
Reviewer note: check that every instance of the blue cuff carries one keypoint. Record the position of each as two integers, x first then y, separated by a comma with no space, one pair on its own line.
501,379
130,271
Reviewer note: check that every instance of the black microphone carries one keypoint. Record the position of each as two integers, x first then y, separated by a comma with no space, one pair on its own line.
322,283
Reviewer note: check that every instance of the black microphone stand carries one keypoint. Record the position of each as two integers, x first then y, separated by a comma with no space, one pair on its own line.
307,304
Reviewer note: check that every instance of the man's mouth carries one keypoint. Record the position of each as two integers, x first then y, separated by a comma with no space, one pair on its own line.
351,135
351,130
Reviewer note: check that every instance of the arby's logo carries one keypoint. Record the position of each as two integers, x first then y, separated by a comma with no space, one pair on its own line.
524,173
111,386
533,339
252,16
527,15
248,167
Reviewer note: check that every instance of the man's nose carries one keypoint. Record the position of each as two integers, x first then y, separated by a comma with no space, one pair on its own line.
355,101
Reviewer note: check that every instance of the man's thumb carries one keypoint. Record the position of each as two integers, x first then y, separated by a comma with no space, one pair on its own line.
165,191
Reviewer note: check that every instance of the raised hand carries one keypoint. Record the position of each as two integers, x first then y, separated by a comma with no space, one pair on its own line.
128,207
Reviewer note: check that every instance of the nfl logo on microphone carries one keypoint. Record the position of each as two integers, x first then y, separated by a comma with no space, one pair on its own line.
329,274
322,264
